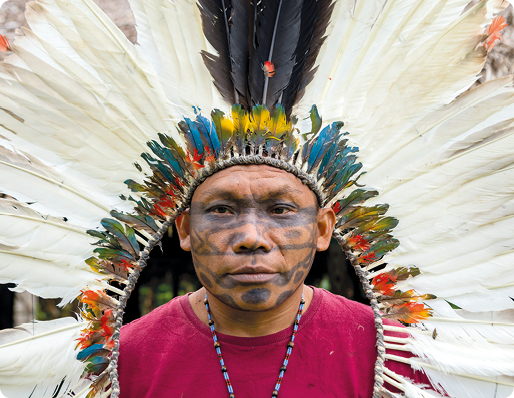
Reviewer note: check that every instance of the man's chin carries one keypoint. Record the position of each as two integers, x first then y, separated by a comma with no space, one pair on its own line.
255,298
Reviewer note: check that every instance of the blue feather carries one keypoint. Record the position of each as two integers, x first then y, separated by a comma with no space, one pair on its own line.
325,139
195,135
208,131
339,161
97,365
341,165
90,351
331,153
343,176
165,154
158,166
316,148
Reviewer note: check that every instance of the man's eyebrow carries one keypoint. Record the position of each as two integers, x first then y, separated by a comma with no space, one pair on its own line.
280,192
218,193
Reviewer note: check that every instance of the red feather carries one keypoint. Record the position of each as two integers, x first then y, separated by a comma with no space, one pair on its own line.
336,207
359,242
195,162
268,68
384,284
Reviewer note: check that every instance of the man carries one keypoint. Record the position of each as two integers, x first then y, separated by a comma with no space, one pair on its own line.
253,232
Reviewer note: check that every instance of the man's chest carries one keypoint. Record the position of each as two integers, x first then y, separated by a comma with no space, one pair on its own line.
315,369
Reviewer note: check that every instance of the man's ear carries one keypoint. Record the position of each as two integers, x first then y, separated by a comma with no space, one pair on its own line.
183,228
326,222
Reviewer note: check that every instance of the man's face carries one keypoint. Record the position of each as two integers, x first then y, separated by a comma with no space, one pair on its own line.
253,232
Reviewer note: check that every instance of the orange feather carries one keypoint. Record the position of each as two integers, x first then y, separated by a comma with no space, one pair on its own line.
493,32
409,313
4,44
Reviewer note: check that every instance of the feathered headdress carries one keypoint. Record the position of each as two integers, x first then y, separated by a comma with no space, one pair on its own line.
420,182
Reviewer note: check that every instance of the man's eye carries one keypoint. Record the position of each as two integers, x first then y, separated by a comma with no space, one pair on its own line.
220,210
280,210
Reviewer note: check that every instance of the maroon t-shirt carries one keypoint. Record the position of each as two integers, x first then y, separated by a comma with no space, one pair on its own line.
170,353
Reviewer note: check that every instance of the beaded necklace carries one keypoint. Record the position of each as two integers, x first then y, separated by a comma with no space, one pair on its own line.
290,346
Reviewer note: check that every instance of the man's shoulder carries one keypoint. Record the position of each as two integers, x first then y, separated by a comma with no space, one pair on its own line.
333,304
355,315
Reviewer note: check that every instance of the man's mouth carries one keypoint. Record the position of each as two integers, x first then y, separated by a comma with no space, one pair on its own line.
251,275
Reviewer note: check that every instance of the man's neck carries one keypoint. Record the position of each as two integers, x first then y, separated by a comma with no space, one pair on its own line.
234,322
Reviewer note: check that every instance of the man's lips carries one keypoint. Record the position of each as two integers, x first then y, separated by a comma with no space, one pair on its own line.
252,278
251,275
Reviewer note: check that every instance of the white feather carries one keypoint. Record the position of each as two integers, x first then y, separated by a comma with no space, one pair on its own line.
84,99
34,362
458,387
48,238
171,38
44,278
410,390
91,124
401,54
453,197
29,180
43,255
481,358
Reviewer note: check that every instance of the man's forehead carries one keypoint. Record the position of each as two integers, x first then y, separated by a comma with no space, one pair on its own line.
259,181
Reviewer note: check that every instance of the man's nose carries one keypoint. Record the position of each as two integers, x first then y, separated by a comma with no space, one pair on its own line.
250,236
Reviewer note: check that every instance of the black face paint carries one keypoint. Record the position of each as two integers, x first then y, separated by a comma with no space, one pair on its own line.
278,280
298,277
294,234
283,297
227,299
204,279
256,296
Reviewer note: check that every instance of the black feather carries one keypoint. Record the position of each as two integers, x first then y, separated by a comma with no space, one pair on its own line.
276,36
265,13
215,14
315,18
308,18
288,35
239,44
247,33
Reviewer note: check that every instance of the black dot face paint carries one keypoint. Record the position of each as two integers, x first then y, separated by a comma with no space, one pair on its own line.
283,297
256,296
253,251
